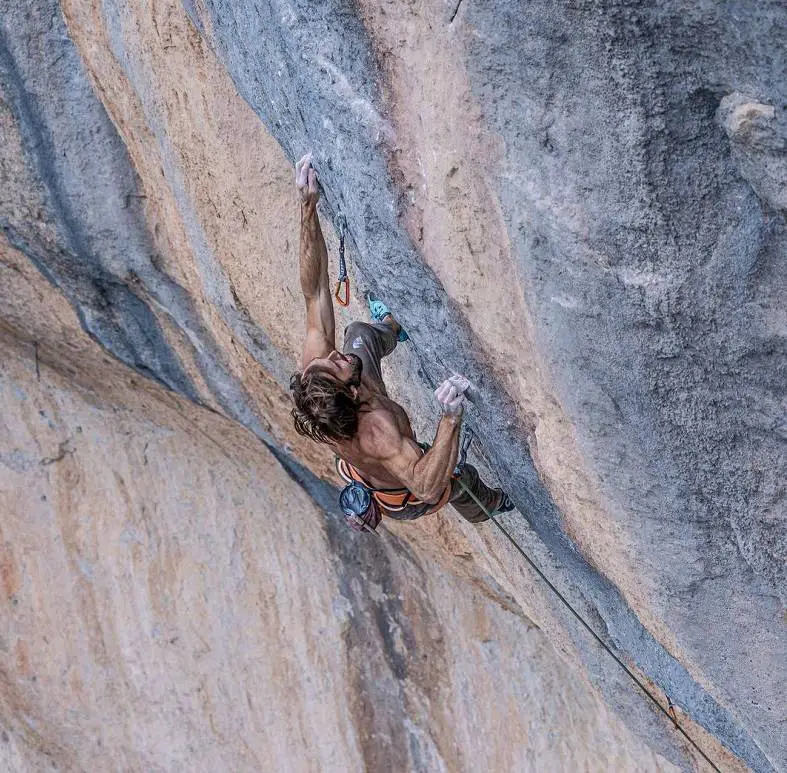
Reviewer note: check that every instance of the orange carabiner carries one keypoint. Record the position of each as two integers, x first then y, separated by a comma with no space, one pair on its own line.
346,300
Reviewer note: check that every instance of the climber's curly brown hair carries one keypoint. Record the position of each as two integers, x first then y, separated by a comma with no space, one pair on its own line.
325,409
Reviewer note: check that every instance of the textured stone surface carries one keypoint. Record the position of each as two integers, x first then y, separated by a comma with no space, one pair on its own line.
581,206
170,599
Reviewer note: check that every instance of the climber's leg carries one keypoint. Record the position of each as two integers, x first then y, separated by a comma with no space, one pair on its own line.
465,505
371,342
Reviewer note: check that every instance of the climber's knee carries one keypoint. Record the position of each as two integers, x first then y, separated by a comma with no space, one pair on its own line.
358,329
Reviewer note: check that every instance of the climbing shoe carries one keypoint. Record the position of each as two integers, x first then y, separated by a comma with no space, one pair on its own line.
505,505
380,311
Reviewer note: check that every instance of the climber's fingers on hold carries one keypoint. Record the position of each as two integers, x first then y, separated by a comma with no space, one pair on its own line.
446,393
302,171
450,399
312,181
443,391
454,405
460,382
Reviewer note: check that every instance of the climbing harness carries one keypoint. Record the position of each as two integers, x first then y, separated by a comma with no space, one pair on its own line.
391,501
362,503
670,711
342,298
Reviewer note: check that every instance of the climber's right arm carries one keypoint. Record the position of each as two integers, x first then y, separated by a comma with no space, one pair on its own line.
320,323
425,475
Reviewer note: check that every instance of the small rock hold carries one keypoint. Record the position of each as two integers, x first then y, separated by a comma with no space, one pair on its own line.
65,448
746,120
758,146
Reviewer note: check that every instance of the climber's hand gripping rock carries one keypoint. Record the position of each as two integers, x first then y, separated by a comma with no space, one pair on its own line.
320,323
306,181
450,395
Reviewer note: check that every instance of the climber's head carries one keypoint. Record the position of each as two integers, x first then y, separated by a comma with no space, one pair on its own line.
326,397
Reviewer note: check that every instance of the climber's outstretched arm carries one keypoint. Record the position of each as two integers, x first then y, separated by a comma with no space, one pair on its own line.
320,323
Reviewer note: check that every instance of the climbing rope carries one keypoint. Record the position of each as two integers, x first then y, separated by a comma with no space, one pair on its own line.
343,299
590,630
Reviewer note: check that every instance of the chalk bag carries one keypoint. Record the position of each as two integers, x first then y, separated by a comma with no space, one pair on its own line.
359,507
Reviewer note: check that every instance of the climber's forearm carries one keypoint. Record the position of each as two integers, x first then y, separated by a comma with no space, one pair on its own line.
432,473
313,255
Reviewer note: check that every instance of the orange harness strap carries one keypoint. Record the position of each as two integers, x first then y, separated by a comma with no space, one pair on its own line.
392,500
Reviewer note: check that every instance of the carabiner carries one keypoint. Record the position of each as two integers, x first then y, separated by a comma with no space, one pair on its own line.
346,300
462,461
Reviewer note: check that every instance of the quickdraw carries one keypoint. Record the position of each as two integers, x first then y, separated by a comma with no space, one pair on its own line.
466,441
342,298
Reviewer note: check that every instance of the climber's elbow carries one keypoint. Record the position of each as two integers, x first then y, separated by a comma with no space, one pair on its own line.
430,493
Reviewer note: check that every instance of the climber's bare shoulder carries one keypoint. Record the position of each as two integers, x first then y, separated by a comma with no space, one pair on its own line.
385,425
378,432
381,450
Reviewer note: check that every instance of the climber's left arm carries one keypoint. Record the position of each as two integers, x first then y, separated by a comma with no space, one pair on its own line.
320,322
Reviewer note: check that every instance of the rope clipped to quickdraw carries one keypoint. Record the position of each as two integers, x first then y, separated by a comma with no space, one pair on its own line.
668,712
342,298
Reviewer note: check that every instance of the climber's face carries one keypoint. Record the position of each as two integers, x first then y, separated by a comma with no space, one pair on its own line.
343,368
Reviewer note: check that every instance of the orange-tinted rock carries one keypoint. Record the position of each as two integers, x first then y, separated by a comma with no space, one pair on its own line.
499,169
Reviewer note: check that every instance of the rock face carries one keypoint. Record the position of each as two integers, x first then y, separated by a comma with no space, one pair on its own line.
172,600
580,206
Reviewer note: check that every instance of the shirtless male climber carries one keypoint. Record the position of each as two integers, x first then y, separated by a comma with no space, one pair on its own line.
340,398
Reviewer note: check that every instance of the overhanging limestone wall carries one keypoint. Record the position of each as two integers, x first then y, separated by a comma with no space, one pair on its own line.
578,207
171,599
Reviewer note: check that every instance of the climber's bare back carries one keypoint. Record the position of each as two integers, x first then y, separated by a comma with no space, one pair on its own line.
383,428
